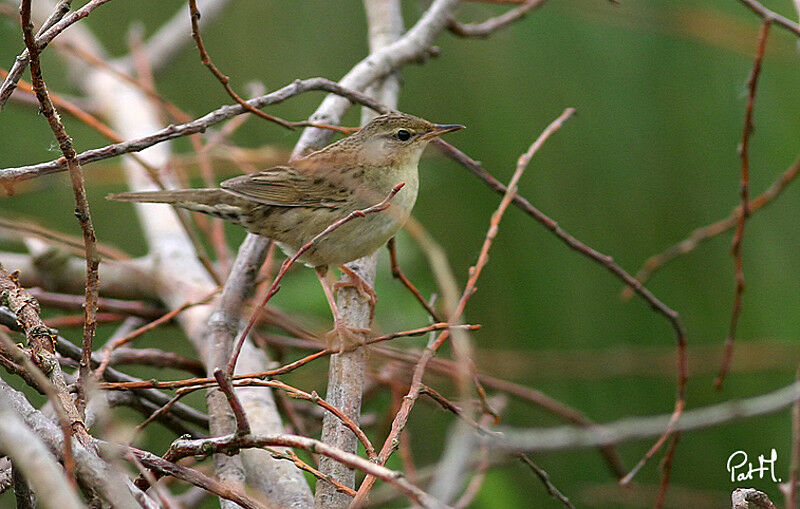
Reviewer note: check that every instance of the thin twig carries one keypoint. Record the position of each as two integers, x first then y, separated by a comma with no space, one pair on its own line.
545,478
242,425
398,274
666,471
177,384
770,16
492,25
302,465
744,209
225,80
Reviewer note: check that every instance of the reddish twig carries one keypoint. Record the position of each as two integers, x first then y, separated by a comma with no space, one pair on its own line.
314,398
63,322
302,465
744,209
67,301
398,274
666,471
403,414
290,261
225,80
81,203
177,384
242,425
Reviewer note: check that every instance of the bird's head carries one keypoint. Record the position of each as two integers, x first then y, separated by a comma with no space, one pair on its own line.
395,139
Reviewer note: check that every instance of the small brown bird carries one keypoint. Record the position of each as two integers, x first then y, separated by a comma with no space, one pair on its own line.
293,203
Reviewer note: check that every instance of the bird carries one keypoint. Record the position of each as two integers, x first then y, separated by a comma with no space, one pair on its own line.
293,203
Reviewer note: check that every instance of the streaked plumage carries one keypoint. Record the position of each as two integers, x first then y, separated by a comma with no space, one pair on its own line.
292,203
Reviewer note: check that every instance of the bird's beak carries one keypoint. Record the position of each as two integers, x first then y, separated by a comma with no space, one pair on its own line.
440,129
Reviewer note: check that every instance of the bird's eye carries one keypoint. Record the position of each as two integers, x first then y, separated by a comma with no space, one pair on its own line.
403,135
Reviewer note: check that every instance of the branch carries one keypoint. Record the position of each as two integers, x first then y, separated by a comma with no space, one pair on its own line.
54,25
37,464
232,443
545,478
570,437
189,475
9,176
770,16
744,209
742,498
494,24
81,202
194,14
93,472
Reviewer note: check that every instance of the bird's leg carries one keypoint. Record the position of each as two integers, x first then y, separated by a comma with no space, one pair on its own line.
341,337
359,284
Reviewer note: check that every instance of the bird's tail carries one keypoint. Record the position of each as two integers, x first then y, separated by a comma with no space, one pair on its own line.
216,202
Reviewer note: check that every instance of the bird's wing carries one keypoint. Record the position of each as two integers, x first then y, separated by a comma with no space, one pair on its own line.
285,186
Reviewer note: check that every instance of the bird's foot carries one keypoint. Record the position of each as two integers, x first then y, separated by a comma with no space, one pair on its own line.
343,338
359,284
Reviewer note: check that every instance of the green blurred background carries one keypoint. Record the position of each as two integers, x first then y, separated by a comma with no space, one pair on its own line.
660,91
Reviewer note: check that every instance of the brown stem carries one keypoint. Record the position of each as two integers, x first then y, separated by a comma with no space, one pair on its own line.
81,203
398,274
744,209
